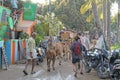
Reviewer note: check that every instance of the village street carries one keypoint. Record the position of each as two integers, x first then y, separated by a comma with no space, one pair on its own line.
63,72
54,28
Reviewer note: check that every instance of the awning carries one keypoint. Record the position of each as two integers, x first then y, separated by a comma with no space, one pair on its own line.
26,26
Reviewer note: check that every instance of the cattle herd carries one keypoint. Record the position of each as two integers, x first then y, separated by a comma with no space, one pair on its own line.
102,61
55,50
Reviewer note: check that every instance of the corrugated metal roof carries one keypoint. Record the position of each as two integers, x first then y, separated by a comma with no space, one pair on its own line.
25,25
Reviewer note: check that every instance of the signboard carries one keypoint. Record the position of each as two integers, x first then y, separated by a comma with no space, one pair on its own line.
29,11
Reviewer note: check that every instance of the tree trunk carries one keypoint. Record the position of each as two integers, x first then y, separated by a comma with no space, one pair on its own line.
96,18
108,23
104,17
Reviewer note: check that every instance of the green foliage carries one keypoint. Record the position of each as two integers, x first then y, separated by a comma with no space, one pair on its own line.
41,29
24,35
85,7
40,33
68,12
38,39
49,25
116,46
55,25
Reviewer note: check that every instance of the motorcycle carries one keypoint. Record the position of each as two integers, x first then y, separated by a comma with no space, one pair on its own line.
114,65
103,67
97,59
40,55
91,61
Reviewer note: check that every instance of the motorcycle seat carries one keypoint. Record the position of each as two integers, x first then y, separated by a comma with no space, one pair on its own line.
117,61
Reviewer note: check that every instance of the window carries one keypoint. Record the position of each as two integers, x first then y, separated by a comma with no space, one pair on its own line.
4,16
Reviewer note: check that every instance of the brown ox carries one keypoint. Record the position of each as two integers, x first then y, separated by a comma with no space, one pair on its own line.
67,51
55,50
50,55
59,51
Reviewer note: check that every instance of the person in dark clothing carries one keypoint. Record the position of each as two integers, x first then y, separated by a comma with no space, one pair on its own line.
76,48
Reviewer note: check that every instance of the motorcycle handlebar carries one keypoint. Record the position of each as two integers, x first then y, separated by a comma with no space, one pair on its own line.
102,50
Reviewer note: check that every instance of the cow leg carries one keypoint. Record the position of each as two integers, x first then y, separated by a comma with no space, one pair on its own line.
65,56
48,65
53,63
68,56
60,60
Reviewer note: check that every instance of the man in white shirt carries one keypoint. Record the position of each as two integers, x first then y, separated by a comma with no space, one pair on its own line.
31,54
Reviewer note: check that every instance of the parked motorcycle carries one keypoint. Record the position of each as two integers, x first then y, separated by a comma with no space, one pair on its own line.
114,65
91,60
97,59
40,55
103,67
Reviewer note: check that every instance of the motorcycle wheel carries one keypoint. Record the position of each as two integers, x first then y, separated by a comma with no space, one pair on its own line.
102,72
113,77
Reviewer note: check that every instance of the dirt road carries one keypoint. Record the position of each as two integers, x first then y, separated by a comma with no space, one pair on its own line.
62,72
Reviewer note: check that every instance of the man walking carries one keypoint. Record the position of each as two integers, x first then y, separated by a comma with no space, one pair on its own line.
76,48
31,54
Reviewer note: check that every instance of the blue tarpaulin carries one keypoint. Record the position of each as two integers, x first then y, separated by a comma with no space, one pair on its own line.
8,51
14,4
0,57
1,43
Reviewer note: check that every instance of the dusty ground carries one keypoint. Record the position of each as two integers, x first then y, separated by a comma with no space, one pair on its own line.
63,72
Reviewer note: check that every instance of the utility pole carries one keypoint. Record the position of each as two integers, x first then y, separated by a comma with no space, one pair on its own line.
118,21
50,9
105,17
49,17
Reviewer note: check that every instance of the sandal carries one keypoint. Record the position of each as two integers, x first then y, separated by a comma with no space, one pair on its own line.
81,73
25,72
33,72
75,74
74,70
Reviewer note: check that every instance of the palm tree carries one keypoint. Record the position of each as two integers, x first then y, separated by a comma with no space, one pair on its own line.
106,13
96,16
92,4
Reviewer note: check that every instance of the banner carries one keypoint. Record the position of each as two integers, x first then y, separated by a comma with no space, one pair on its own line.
29,11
